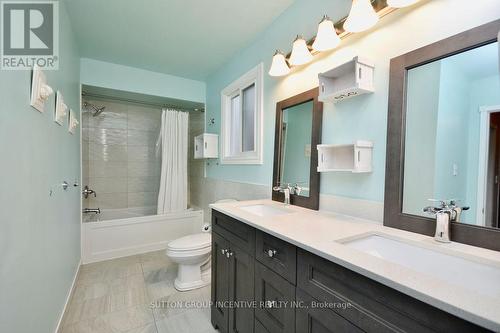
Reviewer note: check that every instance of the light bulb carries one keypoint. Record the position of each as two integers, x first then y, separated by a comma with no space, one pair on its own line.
327,37
400,3
279,67
300,53
361,17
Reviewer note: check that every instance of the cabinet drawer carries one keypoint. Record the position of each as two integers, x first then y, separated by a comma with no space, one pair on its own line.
274,296
236,232
374,307
319,320
276,254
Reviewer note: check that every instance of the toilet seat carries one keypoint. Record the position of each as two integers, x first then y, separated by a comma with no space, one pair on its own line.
200,241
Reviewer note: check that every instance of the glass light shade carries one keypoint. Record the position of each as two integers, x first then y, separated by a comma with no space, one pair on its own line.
300,53
361,17
400,3
327,37
279,67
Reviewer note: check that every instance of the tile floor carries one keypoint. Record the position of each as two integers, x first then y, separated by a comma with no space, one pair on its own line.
135,295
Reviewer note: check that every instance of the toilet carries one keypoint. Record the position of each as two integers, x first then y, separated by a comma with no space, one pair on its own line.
192,254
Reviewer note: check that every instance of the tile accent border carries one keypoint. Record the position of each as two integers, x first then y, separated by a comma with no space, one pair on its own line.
365,209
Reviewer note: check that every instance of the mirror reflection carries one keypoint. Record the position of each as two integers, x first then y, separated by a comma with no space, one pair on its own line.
452,139
296,147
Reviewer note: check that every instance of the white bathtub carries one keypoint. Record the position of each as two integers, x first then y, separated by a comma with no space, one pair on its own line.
122,232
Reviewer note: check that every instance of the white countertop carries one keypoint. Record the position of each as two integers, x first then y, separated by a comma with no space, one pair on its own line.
318,233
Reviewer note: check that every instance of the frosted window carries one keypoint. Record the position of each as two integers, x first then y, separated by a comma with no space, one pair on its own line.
248,119
235,129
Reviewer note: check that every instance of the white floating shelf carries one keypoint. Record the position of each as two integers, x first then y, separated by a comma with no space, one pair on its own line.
355,157
206,145
347,80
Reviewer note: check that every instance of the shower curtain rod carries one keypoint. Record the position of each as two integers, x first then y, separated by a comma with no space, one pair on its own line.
171,106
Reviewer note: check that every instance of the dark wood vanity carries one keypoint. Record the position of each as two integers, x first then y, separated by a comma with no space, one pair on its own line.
261,283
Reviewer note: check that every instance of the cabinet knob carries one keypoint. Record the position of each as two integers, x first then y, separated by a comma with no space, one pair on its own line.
271,253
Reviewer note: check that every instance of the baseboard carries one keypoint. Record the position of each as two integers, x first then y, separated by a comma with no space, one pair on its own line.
68,297
125,252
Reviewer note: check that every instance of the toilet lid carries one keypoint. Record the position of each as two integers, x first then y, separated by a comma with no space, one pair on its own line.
191,242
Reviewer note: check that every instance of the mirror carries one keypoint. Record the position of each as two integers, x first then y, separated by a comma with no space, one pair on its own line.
452,137
297,133
296,147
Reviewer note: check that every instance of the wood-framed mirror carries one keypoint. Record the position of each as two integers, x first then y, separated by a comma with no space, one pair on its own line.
440,130
297,133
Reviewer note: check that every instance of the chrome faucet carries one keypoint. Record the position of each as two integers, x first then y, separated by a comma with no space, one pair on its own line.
446,212
286,191
443,219
86,191
92,210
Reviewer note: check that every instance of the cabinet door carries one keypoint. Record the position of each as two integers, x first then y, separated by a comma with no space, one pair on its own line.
220,282
310,319
274,296
241,290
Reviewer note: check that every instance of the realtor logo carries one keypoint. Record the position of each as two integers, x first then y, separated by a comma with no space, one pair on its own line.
29,34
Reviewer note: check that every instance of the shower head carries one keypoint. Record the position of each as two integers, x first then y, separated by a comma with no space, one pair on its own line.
95,109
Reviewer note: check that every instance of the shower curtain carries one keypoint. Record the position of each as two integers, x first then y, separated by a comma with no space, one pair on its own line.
174,156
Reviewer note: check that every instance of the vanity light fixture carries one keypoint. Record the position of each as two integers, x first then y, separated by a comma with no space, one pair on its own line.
300,52
401,3
279,67
327,37
361,17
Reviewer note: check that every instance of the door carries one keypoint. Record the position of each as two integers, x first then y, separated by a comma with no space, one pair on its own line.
492,183
241,290
220,282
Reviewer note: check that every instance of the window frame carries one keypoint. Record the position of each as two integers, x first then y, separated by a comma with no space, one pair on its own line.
252,77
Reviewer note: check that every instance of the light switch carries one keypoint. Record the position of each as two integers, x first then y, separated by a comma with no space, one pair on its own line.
455,169
307,150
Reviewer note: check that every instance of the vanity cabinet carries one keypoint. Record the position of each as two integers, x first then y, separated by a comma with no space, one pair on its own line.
274,296
296,291
233,264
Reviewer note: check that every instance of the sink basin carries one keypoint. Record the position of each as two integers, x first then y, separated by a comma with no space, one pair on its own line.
266,210
476,276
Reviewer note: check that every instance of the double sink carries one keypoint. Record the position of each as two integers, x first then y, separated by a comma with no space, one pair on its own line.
429,259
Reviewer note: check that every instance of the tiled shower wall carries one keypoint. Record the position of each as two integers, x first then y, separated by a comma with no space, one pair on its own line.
119,156
196,167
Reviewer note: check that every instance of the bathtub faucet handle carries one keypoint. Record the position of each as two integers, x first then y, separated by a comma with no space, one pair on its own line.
86,191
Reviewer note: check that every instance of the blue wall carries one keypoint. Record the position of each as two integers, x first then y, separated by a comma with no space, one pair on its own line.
420,145
298,134
39,234
130,79
363,117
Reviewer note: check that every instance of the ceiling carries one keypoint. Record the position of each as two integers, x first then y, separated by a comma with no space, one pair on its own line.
477,63
100,93
188,38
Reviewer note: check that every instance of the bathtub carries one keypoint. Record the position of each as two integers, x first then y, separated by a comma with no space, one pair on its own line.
123,232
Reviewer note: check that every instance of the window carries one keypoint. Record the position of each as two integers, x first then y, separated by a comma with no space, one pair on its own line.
241,132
